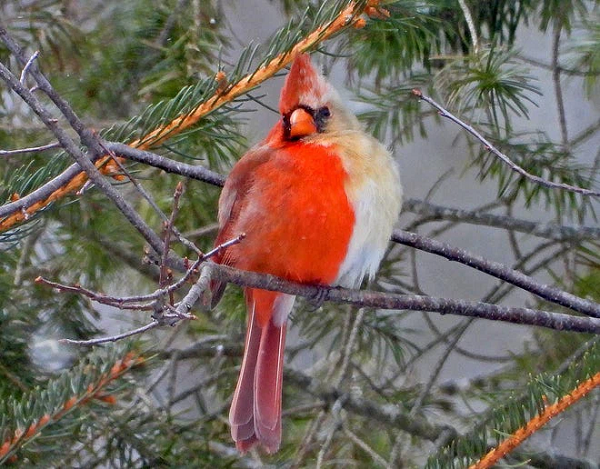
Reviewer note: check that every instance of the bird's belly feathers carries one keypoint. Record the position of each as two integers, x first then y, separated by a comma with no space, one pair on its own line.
375,193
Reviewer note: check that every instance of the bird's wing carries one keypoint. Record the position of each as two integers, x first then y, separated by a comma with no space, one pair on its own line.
238,185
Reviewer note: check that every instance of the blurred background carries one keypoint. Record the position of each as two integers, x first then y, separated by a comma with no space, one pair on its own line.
525,75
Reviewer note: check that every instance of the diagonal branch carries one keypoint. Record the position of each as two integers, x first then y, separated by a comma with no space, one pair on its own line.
547,292
537,422
488,145
82,160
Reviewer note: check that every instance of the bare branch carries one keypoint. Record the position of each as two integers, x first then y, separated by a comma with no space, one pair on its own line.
546,66
477,217
114,338
19,151
547,292
560,103
365,447
517,315
170,166
28,66
554,185
169,224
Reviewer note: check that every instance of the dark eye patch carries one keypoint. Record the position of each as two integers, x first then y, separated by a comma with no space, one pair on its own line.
323,113
319,115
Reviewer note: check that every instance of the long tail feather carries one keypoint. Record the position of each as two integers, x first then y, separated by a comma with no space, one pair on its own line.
268,385
255,414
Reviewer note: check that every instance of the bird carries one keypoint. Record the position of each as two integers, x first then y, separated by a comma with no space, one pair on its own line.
316,201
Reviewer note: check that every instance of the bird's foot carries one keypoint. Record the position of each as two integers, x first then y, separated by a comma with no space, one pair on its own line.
317,300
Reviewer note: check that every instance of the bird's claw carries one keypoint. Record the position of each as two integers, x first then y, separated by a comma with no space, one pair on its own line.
317,300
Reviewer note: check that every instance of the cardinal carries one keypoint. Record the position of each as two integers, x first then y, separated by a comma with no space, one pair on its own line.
317,200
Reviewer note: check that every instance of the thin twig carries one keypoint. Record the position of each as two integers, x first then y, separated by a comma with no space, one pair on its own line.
187,243
19,151
349,349
28,66
160,318
102,340
488,145
555,231
122,303
438,367
567,71
126,301
365,447
326,445
562,118
164,278
203,258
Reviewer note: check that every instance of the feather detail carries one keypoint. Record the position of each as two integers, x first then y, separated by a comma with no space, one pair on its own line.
255,414
303,86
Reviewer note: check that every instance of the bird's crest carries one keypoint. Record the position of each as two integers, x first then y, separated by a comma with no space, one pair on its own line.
303,86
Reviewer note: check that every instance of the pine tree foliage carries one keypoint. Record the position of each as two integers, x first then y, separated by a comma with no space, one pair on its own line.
22,418
516,411
363,388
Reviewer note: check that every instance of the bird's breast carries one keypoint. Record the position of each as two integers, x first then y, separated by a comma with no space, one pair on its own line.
298,217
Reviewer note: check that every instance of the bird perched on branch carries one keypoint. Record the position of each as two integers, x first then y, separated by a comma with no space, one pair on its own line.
317,200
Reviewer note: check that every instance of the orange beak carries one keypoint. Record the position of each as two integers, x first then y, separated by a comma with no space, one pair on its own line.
302,123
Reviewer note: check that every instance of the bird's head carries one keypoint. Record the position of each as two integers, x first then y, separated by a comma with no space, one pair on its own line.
309,105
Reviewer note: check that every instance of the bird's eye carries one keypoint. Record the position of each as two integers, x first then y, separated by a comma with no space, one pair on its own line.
324,112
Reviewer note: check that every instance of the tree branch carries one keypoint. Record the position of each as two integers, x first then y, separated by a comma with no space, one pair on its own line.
547,292
19,151
543,230
517,315
196,172
515,167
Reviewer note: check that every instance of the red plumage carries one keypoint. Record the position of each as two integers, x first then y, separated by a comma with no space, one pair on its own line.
295,197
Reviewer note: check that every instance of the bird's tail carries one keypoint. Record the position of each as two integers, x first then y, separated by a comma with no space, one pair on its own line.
255,414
